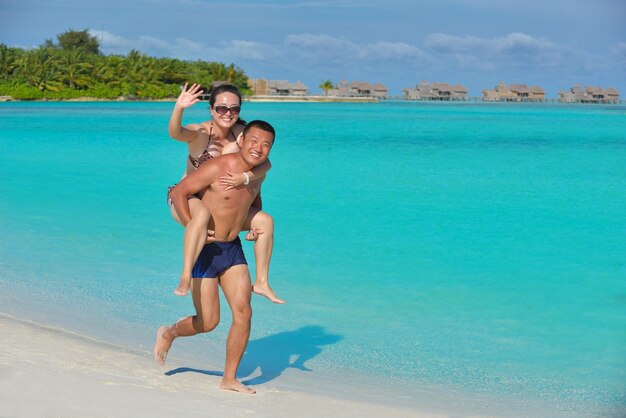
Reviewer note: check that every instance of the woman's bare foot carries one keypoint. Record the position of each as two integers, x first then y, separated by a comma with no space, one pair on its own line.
265,290
252,235
183,286
163,343
236,386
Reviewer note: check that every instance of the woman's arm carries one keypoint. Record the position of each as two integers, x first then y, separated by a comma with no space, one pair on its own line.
232,181
186,99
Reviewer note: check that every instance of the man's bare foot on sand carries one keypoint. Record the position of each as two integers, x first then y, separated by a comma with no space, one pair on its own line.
265,290
236,386
183,286
163,343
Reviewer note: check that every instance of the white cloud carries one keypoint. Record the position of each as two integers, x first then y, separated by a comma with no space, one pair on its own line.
514,49
320,44
330,49
151,43
246,50
182,48
110,41
471,44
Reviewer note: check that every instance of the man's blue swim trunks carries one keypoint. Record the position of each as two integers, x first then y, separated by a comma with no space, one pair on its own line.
217,257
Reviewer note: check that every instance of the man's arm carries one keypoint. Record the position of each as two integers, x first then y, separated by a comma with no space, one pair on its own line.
200,179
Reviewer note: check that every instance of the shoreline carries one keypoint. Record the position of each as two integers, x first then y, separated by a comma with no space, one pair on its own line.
312,99
51,371
272,99
317,99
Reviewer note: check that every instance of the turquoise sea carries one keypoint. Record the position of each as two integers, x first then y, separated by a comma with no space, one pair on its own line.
450,247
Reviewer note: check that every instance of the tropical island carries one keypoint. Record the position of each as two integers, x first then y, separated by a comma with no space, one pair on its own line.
74,68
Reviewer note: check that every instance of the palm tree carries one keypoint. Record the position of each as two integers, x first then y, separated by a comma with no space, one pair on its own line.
139,71
172,71
8,61
326,86
74,69
107,69
39,68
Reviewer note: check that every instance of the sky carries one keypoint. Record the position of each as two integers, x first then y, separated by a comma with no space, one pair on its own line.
477,43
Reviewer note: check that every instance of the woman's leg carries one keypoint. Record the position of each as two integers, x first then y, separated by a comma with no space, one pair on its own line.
263,225
194,240
207,304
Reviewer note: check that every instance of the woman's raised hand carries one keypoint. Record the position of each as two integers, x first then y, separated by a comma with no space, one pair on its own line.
189,97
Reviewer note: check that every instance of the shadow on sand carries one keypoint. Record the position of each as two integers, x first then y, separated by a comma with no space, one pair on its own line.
275,353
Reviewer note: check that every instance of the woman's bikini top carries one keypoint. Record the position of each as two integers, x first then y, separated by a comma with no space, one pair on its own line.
206,154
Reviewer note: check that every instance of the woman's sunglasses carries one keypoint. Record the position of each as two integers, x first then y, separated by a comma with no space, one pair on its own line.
222,110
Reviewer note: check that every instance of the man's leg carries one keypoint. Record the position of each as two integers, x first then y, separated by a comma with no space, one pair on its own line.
235,284
207,303
263,225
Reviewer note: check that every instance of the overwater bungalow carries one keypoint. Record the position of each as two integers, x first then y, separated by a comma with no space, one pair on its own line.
359,89
514,93
589,94
262,87
436,91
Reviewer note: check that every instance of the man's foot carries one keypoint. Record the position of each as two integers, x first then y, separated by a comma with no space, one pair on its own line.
183,286
236,386
163,343
265,290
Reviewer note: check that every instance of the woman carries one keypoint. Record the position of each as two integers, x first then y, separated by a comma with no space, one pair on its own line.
208,140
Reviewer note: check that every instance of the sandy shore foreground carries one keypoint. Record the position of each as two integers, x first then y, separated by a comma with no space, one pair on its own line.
45,372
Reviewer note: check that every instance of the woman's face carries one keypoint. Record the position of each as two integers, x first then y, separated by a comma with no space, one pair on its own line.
228,104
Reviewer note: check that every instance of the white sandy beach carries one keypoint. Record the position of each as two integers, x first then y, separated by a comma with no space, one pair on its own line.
48,372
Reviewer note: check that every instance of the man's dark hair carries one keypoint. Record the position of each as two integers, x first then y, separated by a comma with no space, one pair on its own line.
262,125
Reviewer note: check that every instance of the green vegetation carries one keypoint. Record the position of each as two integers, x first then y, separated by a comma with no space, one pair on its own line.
326,86
74,67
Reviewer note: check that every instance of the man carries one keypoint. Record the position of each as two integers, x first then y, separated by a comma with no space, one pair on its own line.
221,262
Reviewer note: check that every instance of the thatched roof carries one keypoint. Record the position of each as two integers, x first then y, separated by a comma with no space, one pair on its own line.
441,86
278,84
537,89
519,88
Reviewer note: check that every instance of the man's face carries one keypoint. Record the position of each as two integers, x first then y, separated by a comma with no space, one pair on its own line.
256,146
